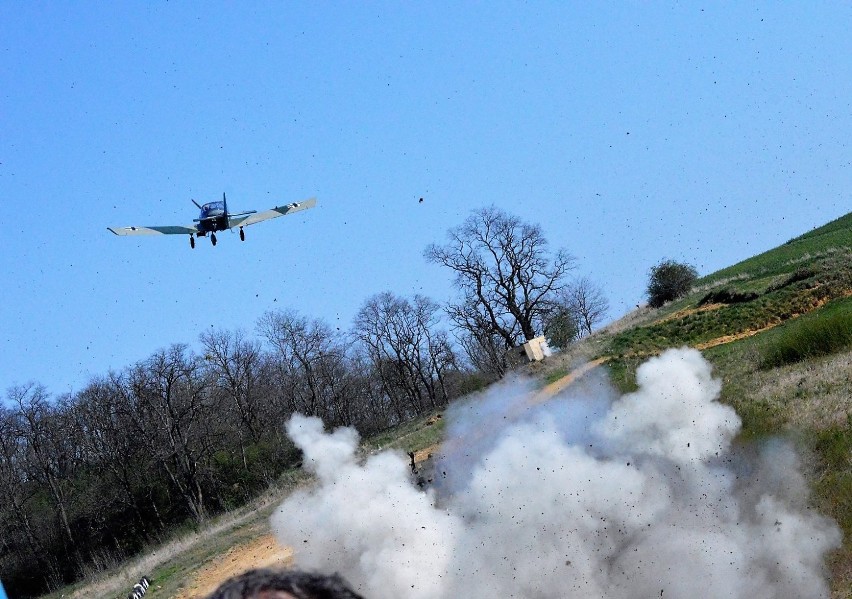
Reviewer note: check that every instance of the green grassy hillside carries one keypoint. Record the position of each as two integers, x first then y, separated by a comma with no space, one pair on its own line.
799,252
778,329
796,278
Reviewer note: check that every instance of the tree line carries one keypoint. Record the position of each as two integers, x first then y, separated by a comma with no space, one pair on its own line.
90,478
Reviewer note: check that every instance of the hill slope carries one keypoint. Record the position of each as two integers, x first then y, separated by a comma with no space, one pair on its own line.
794,301
736,316
757,294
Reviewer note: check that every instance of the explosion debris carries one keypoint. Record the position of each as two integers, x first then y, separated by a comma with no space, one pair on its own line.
589,495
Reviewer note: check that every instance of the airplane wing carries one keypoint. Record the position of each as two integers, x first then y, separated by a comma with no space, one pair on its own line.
250,219
153,230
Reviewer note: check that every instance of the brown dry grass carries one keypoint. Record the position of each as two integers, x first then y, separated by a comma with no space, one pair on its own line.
640,315
175,552
731,338
687,311
816,394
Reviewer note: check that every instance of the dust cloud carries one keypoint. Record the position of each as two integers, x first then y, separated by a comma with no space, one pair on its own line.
589,495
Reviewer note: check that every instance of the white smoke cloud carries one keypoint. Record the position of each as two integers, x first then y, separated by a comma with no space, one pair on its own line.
587,496
367,520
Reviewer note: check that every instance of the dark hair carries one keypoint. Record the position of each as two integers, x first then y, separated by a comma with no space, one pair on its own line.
301,585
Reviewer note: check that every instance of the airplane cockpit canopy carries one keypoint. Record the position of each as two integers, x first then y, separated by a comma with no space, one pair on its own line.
213,207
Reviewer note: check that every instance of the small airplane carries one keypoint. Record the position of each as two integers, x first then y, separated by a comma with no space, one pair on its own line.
215,217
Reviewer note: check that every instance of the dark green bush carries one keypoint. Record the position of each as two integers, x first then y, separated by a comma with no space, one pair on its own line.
808,338
668,281
561,328
727,296
800,274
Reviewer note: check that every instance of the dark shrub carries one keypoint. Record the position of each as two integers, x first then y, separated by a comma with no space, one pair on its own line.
727,296
669,280
800,274
809,338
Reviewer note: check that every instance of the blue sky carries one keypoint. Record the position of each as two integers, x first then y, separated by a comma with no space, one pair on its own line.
629,131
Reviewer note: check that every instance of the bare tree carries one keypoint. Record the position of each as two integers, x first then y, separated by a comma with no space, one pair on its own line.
237,365
575,312
20,537
372,410
409,353
312,365
485,351
505,273
588,303
103,410
174,419
50,452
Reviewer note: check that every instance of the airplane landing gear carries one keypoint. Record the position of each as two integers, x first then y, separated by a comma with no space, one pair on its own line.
242,234
192,242
213,238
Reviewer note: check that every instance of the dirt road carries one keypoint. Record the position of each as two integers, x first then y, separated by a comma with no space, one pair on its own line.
260,553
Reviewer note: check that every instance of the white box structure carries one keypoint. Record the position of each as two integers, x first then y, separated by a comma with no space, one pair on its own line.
536,349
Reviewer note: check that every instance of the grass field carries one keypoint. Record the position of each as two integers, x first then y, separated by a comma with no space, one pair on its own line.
826,332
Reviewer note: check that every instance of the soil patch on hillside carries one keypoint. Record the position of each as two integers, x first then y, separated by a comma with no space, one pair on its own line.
263,552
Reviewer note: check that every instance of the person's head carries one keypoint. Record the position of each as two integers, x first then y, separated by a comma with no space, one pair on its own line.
283,584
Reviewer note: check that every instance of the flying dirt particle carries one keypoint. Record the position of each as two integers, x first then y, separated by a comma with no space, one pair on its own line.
490,504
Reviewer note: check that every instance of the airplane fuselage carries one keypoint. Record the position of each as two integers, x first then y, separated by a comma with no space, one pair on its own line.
213,217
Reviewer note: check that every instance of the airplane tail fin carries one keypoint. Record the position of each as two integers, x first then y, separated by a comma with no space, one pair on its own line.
225,207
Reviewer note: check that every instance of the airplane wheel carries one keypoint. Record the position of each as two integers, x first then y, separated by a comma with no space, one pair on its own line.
192,242
242,235
213,238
